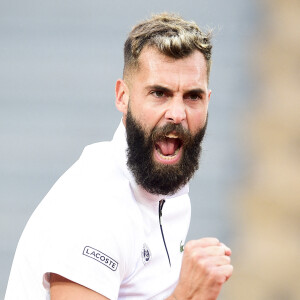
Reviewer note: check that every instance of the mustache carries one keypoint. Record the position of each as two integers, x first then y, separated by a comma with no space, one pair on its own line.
159,133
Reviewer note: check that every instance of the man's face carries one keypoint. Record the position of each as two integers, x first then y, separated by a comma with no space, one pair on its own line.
168,104
156,177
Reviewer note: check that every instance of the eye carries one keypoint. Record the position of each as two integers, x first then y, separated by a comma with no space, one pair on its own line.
194,96
158,94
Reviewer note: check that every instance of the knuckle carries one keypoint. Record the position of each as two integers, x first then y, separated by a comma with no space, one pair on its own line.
220,279
192,257
205,266
189,245
211,240
212,274
219,250
228,259
230,269
219,275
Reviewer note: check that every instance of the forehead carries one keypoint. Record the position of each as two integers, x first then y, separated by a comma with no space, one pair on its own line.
155,66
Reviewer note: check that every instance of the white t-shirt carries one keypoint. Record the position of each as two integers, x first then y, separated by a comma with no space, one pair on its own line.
98,228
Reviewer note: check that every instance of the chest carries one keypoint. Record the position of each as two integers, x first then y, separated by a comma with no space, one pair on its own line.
159,251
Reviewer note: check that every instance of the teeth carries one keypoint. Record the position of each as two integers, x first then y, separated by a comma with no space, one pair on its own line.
172,136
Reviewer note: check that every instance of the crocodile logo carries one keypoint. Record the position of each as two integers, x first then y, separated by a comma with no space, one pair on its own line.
181,247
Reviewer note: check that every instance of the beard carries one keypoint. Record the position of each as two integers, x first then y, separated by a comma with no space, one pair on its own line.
158,178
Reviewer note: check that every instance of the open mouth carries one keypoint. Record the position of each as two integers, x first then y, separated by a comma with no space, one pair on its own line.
169,149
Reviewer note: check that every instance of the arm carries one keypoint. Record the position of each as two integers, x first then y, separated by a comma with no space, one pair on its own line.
205,268
64,289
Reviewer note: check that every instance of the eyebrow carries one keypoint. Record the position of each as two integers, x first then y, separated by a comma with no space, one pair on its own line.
158,87
167,90
196,91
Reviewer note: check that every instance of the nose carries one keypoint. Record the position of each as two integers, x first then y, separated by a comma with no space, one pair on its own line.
176,111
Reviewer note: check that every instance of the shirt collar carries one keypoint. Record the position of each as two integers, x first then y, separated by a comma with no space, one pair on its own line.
120,148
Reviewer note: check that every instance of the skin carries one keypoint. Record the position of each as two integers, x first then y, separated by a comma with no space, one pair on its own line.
205,268
166,90
64,289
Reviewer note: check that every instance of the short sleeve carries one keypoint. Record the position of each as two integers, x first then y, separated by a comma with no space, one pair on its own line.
89,235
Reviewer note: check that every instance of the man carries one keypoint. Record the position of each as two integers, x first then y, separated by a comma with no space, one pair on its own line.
114,225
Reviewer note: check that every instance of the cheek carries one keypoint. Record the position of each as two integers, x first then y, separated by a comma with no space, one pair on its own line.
197,119
149,117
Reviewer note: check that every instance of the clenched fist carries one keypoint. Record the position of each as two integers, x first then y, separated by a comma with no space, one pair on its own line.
205,268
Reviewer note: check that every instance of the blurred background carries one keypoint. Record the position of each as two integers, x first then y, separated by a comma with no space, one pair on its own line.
59,61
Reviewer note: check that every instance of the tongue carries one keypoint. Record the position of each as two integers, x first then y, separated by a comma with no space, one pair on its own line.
168,146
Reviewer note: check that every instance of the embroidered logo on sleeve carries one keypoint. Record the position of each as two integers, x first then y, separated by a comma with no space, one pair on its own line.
146,254
100,257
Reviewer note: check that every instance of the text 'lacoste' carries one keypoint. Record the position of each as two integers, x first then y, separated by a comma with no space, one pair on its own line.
101,257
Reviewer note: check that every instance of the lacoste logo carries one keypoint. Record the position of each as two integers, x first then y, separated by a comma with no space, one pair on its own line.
100,257
181,247
146,254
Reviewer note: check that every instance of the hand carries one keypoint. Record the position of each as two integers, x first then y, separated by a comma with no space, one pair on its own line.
205,268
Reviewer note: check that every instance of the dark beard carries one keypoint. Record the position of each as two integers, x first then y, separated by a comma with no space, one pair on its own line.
154,177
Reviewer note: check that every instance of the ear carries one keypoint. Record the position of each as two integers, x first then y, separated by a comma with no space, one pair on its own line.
122,96
208,96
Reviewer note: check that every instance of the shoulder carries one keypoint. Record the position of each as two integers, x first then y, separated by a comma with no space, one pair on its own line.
88,223
93,176
93,198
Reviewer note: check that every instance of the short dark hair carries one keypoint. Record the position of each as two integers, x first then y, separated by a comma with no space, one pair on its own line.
169,34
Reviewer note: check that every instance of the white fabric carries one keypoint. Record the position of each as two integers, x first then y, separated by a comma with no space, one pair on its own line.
92,228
